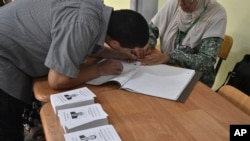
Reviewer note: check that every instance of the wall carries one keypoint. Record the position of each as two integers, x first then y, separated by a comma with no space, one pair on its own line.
237,26
118,4
121,4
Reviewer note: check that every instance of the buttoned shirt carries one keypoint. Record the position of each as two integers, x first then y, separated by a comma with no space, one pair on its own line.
38,35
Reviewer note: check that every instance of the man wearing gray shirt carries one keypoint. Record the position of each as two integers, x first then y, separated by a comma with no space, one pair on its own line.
54,37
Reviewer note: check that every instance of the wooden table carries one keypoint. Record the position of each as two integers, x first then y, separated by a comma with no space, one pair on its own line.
205,116
42,90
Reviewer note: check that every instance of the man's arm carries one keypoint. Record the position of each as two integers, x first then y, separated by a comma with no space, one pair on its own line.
117,53
87,72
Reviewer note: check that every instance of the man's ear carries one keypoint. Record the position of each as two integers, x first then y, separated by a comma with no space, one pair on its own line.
114,44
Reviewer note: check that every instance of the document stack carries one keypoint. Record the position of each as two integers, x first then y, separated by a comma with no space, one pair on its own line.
73,98
101,133
81,118
84,117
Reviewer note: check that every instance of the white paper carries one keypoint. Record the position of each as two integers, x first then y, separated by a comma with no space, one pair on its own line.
90,115
128,71
101,133
160,80
72,98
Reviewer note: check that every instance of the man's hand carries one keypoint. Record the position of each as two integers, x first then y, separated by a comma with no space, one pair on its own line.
110,67
87,72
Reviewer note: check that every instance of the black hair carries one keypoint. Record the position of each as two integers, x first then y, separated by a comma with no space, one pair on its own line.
129,28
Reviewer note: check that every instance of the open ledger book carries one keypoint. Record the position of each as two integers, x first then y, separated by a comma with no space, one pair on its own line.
161,80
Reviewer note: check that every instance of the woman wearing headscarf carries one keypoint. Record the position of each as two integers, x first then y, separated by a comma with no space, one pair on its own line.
191,33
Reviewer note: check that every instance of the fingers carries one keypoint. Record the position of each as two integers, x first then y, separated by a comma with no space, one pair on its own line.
154,59
134,55
140,52
111,67
116,67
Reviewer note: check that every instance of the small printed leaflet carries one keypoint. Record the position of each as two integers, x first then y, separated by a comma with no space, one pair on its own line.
101,133
73,98
83,117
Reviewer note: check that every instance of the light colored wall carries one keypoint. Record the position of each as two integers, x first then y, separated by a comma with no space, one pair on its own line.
161,2
118,4
125,4
237,26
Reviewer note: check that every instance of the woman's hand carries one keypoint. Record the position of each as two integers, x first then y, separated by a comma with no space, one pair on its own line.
155,58
142,52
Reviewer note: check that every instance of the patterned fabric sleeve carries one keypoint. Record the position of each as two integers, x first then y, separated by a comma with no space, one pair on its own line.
204,58
153,35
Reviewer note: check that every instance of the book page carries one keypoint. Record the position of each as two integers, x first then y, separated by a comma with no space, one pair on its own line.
101,133
160,81
128,71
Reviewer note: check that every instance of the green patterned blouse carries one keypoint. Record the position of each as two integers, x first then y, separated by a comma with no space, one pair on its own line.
201,58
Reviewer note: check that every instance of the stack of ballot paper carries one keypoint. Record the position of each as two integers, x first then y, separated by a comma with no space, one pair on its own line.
84,117
73,98
101,133
81,118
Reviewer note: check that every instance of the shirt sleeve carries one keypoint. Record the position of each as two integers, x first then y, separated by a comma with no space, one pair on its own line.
203,60
70,46
153,35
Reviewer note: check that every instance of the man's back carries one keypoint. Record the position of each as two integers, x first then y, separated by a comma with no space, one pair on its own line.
32,31
25,32
28,27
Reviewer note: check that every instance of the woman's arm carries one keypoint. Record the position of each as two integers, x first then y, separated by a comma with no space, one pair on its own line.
153,35
202,60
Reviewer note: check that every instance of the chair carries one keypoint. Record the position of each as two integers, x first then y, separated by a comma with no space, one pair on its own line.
237,97
224,51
